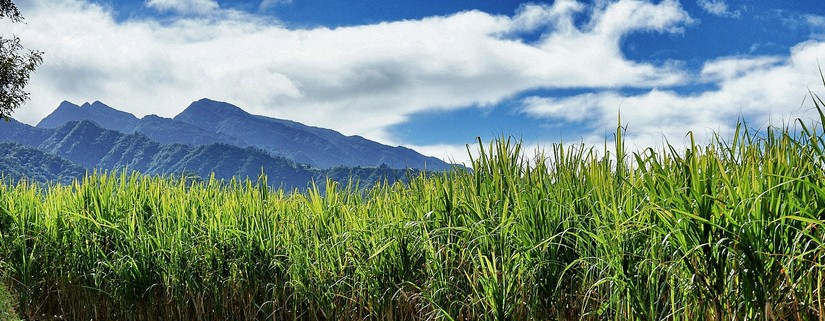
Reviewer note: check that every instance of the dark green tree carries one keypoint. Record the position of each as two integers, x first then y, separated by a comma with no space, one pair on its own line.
16,65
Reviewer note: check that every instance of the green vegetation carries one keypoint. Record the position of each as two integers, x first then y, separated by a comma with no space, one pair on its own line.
7,306
728,231
20,162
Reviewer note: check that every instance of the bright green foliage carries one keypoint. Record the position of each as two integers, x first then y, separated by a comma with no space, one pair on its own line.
728,231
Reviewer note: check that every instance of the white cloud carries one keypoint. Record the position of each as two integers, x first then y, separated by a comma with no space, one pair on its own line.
183,6
732,67
764,90
623,17
532,16
718,7
815,21
451,153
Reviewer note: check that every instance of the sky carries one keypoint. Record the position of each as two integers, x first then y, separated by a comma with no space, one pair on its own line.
433,75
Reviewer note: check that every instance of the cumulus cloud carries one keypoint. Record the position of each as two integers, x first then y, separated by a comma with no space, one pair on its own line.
183,6
358,80
763,90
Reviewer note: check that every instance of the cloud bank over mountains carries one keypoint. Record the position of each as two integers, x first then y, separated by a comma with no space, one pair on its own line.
365,79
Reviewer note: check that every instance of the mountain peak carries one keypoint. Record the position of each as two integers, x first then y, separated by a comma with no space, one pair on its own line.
217,107
98,112
98,104
67,105
207,113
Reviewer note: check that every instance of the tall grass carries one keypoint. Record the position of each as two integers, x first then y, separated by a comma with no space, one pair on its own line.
731,230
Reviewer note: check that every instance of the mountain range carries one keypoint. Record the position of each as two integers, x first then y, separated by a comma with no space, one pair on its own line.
207,138
207,122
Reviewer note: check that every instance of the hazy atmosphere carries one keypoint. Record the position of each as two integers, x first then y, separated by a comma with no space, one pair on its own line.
432,75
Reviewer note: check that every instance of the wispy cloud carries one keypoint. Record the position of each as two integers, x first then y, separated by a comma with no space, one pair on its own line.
718,7
266,4
815,21
187,7
817,25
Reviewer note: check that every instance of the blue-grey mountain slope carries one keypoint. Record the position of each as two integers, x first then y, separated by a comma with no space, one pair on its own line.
207,122
100,113
83,142
15,131
169,131
318,147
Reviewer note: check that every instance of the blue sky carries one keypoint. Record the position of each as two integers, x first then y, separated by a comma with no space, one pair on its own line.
434,74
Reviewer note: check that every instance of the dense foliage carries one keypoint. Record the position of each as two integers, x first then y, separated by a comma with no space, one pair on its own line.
728,231
20,162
